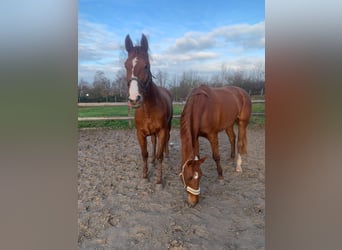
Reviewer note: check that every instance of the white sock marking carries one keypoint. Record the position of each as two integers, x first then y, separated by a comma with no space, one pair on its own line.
238,163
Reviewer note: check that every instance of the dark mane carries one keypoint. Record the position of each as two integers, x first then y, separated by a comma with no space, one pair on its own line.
185,128
188,126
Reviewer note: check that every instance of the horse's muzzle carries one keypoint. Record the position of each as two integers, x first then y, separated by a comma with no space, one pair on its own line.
193,199
136,103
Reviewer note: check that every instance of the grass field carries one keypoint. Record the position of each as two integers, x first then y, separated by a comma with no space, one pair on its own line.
123,111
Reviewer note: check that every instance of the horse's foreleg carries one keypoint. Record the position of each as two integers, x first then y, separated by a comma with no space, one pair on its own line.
153,140
216,155
232,137
162,136
143,146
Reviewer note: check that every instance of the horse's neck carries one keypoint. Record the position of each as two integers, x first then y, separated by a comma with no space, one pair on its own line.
151,99
187,149
152,95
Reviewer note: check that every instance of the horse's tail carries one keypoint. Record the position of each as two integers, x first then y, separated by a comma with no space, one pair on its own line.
169,100
244,117
246,106
171,109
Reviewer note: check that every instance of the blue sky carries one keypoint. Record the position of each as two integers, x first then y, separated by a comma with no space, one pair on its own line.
183,35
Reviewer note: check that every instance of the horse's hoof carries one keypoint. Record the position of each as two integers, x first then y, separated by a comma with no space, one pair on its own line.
159,186
238,169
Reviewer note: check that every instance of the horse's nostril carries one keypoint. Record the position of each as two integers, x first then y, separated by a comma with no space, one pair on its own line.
138,98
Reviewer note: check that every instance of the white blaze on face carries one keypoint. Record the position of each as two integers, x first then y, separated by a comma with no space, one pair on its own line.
134,88
134,62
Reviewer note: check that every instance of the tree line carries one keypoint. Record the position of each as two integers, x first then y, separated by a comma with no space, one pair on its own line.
102,89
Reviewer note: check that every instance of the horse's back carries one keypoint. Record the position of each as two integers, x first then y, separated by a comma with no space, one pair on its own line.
218,108
230,99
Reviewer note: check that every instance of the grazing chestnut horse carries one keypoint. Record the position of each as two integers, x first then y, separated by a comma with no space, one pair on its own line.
208,111
153,104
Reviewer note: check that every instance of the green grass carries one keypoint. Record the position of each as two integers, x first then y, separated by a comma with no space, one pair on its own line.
103,111
258,107
123,111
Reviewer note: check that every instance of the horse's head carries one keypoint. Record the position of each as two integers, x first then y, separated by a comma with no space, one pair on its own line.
190,175
138,72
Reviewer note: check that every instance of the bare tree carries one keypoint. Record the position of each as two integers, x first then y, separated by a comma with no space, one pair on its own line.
101,85
161,78
120,84
83,89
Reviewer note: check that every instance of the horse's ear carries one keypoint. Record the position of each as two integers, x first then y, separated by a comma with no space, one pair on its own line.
128,43
202,160
144,43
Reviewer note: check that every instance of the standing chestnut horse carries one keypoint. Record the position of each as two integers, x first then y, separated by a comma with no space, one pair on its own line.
153,104
208,111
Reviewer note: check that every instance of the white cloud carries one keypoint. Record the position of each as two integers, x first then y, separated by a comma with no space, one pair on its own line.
167,58
238,46
192,41
246,36
242,35
98,49
96,42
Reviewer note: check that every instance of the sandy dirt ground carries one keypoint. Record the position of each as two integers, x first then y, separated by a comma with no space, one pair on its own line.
118,210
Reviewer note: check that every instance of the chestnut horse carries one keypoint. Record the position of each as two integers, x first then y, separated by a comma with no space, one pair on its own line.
153,105
208,111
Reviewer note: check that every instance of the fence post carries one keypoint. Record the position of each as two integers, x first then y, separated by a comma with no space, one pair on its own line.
129,114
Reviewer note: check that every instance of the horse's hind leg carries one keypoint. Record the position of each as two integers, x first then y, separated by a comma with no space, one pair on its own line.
232,137
216,155
242,143
242,137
